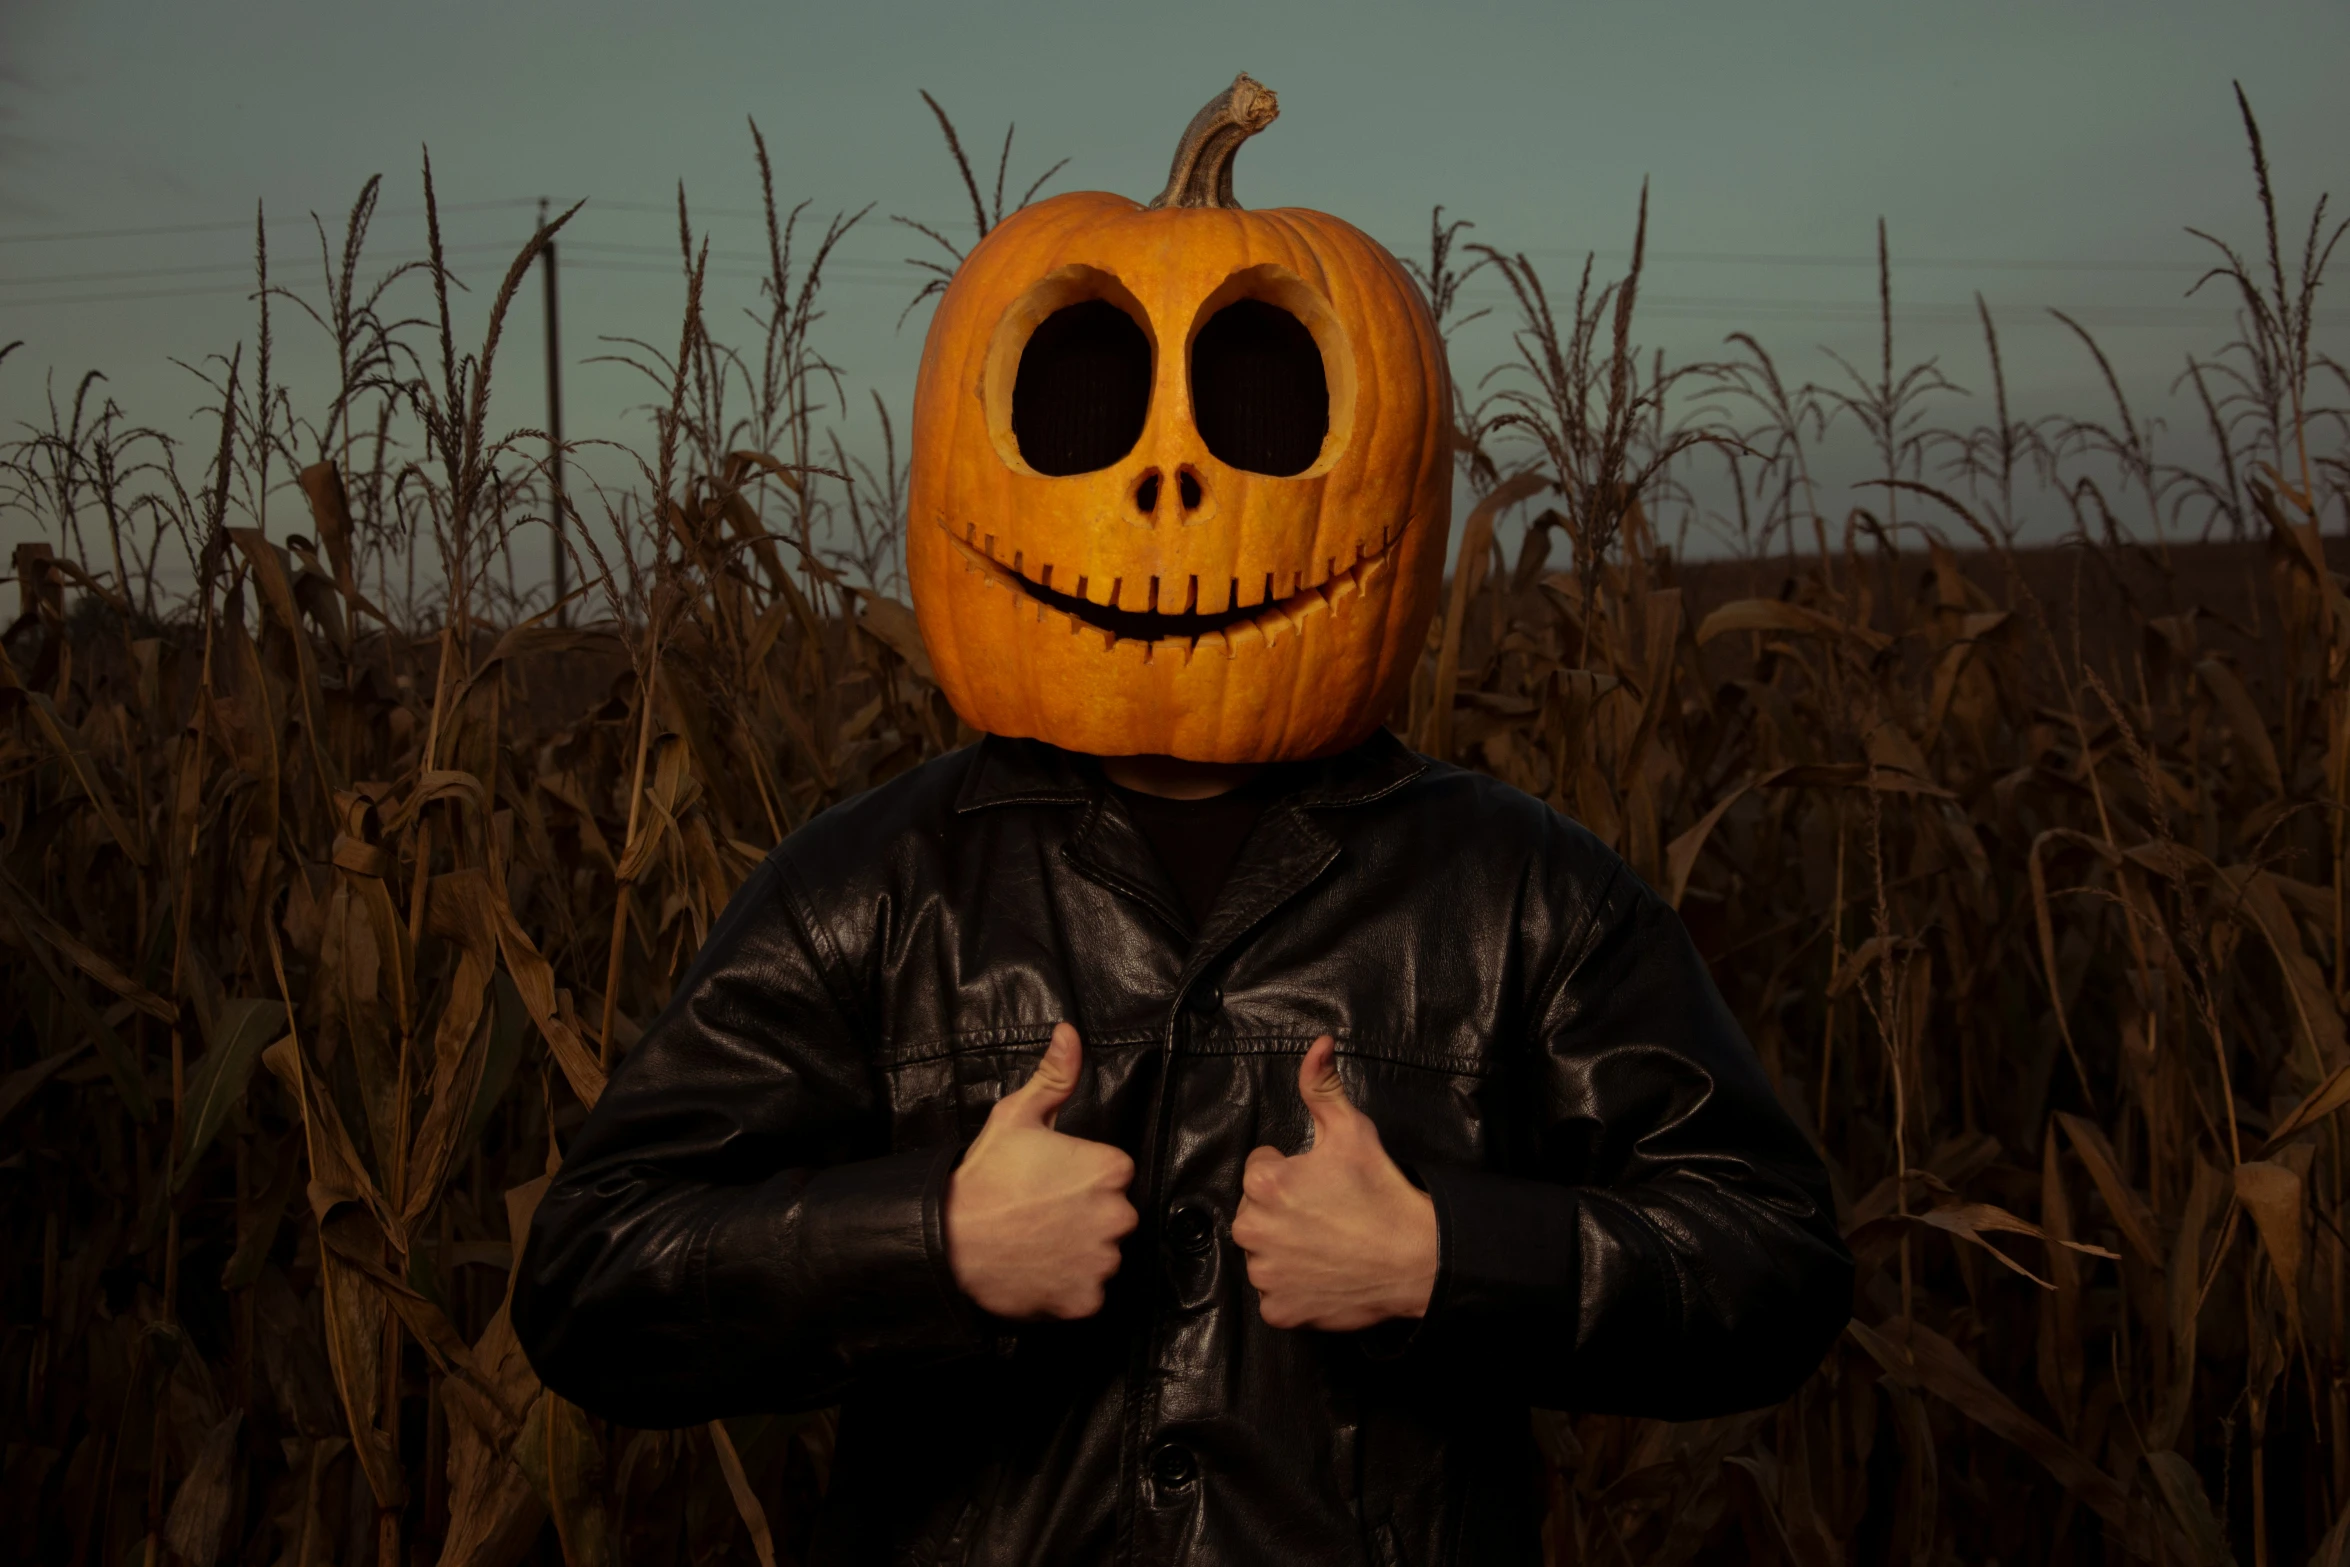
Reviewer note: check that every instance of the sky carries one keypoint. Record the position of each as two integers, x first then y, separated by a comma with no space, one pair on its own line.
2043,155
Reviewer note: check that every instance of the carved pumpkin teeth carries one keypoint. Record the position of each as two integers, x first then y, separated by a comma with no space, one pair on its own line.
1261,623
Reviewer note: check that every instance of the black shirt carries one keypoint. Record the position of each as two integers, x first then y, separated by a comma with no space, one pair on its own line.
1199,841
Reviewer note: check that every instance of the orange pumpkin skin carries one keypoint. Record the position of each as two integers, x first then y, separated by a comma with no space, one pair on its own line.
1345,558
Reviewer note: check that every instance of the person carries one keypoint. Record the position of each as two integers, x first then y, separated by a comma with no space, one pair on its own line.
1186,1284
1198,1131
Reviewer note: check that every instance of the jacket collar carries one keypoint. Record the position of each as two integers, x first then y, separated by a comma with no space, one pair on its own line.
1287,852
1030,772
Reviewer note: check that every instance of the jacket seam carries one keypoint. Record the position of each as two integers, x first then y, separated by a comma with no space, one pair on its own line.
1336,802
1555,977
964,808
997,1040
1287,1044
802,908
1656,1235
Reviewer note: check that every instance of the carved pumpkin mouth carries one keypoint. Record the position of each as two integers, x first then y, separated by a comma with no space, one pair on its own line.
1263,620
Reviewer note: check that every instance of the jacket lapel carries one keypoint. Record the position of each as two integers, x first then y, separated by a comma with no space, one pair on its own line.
1289,850
1285,854
1108,848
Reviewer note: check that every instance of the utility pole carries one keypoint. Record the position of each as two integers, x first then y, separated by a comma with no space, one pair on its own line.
555,429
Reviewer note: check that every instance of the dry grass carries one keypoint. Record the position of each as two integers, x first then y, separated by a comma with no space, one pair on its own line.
2025,872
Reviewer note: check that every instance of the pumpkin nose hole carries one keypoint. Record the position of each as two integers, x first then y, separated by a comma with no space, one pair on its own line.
1146,494
1187,486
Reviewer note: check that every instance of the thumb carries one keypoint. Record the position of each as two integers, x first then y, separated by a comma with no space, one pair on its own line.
1039,1099
1318,1084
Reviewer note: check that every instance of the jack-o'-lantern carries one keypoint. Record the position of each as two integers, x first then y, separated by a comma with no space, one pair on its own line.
1181,476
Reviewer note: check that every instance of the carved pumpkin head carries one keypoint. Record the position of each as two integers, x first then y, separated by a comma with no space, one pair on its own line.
1181,481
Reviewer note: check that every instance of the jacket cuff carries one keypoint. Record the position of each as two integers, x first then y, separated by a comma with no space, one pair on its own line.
864,1245
1507,1251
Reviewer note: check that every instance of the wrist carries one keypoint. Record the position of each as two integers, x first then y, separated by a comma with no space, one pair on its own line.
955,1229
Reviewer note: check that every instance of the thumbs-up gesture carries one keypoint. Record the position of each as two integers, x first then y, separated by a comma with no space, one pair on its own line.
1336,1237
1034,1216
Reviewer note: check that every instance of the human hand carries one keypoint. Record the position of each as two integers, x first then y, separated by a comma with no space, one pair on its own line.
1033,1216
1336,1237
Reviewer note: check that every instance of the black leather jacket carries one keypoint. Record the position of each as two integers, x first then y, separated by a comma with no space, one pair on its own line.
750,1219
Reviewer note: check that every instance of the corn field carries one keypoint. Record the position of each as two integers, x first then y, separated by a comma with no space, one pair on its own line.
337,870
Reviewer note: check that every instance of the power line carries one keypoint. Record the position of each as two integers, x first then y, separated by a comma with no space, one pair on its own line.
241,226
851,268
198,269
108,299
597,205
837,264
1658,307
1900,264
905,280
608,256
211,268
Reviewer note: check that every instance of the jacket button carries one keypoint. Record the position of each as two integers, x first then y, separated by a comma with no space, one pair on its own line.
1190,1230
1173,1468
1205,999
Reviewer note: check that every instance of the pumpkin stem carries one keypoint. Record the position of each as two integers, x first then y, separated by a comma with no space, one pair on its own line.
1202,175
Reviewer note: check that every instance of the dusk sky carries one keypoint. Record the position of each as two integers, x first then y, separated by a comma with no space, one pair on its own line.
2041,155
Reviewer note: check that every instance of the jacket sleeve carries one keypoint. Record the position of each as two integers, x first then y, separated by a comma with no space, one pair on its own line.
729,1231
1669,1247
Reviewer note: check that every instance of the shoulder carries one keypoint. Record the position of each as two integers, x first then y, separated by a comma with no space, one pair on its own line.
1488,852
870,835
1453,815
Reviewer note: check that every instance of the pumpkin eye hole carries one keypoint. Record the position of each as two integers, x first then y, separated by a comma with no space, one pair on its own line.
1083,390
1259,396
